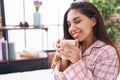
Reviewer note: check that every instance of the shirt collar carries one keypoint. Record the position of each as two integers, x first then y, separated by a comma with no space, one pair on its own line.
96,44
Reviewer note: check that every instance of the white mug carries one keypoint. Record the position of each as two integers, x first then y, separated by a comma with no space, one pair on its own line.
68,41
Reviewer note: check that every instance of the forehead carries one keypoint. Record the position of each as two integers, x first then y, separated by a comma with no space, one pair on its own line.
74,13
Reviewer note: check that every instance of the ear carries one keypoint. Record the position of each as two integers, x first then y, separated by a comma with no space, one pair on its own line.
94,21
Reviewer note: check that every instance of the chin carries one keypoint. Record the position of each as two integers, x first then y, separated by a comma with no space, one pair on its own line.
80,40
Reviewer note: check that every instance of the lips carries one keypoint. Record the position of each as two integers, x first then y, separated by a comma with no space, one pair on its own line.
76,35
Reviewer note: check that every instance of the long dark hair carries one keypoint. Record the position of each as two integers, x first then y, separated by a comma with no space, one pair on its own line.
89,10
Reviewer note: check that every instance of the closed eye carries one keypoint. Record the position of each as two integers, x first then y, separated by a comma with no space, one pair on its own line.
77,21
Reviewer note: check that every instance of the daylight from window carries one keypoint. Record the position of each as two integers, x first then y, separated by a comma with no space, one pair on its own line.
52,12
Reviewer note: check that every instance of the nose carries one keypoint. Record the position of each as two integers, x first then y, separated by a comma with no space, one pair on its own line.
72,27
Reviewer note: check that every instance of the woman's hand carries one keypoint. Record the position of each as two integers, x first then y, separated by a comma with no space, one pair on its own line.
68,51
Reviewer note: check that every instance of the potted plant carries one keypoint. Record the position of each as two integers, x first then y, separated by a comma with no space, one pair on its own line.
110,11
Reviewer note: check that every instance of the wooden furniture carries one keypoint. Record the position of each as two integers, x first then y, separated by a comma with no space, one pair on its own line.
10,66
23,65
22,27
51,54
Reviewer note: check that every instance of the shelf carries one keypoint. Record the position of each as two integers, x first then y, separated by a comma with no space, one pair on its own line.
22,27
23,65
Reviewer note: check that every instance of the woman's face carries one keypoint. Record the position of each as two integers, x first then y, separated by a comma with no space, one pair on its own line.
79,25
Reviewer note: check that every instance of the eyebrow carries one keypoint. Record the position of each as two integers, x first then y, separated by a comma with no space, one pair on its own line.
76,18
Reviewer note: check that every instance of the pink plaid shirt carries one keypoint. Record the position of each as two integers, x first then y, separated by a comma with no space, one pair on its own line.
99,62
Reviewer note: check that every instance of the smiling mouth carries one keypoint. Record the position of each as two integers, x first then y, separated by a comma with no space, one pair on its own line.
76,35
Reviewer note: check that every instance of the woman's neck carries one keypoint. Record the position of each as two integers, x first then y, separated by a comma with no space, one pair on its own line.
87,43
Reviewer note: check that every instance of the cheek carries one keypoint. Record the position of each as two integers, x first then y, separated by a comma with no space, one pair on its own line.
87,30
88,26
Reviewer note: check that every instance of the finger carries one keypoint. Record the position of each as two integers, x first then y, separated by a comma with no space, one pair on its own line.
58,41
64,53
56,44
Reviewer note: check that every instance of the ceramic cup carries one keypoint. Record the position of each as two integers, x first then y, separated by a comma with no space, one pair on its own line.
67,41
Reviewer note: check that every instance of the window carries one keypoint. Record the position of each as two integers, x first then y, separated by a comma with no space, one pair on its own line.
52,12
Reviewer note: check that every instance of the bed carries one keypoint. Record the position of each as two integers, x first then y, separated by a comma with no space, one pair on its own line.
44,74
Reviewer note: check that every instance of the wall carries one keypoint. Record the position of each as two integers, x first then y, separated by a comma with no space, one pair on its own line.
0,18
1,33
114,17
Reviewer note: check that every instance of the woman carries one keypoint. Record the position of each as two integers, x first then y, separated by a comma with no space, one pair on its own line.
94,56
